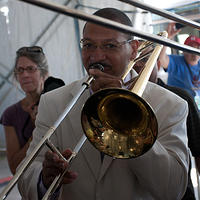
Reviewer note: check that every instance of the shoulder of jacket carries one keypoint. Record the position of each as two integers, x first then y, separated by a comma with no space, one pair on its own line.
155,93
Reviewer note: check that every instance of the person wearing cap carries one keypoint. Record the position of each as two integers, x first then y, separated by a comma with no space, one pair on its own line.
183,70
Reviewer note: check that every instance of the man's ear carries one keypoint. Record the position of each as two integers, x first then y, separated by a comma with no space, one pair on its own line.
134,45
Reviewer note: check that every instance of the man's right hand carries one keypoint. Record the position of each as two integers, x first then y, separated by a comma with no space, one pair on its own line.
104,80
53,165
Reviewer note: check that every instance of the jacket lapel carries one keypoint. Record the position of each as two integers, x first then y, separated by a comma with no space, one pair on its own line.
107,159
89,152
105,165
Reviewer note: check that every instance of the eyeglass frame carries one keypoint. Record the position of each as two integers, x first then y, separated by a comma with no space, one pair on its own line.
104,48
17,72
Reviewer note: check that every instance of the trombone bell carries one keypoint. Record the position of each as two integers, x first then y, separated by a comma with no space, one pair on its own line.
119,123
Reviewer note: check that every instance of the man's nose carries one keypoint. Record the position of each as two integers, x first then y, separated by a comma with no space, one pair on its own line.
97,54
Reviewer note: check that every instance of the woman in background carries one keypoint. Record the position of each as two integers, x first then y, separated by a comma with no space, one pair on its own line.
31,71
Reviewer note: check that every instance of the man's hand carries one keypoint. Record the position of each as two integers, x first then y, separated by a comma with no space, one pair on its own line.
53,165
104,80
172,31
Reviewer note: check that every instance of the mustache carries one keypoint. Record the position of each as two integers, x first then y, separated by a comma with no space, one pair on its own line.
92,65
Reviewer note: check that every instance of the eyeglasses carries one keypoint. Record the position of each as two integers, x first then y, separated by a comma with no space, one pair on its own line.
106,46
29,69
33,49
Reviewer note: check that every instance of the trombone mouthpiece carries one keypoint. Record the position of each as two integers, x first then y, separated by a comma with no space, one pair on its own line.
97,66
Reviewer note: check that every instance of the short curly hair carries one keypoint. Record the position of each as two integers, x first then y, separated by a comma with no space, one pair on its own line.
115,15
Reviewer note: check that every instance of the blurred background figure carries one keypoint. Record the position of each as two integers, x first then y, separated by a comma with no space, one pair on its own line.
183,70
31,71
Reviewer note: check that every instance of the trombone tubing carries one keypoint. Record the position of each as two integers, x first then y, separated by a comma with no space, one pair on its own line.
141,83
111,24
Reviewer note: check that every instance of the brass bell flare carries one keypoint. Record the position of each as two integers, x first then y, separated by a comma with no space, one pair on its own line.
119,123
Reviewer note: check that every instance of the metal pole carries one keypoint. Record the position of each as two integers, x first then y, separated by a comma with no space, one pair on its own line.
111,24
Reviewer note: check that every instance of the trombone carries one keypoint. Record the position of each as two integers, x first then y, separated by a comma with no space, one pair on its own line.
108,96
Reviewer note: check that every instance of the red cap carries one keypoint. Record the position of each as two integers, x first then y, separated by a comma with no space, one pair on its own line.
192,39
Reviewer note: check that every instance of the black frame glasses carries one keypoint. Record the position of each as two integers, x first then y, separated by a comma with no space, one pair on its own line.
33,49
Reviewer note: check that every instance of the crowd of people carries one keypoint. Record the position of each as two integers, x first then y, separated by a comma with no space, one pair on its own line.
163,172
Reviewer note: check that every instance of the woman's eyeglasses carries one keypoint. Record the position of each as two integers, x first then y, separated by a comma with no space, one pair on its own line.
29,69
33,49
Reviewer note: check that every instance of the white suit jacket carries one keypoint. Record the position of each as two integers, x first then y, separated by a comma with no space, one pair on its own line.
159,174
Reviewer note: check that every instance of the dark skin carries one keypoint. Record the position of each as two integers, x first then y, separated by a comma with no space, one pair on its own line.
103,80
114,63
53,166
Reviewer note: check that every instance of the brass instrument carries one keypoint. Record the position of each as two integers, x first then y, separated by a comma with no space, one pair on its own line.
107,125
127,132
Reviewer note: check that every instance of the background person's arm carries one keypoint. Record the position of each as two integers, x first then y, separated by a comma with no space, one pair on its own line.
15,154
164,58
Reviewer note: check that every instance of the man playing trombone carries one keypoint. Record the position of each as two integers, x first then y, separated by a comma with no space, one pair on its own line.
160,173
